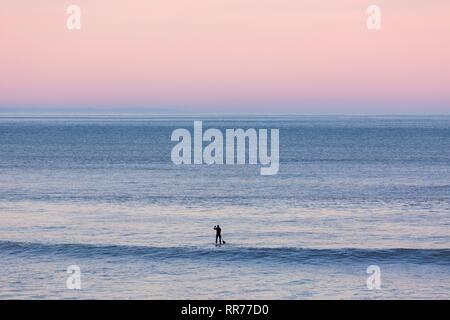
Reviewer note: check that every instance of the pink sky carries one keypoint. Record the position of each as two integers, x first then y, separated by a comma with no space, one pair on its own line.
313,56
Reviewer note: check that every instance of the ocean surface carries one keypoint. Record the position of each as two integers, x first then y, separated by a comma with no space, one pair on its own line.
101,192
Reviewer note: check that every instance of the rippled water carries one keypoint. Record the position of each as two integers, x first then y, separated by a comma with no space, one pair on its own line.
102,193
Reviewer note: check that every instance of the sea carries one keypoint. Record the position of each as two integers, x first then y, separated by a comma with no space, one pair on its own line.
353,194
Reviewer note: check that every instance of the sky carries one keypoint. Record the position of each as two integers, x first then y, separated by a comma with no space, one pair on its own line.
268,56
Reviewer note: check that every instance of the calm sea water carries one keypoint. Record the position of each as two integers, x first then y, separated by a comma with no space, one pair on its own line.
101,192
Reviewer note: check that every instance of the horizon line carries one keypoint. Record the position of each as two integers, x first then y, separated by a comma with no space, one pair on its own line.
4,114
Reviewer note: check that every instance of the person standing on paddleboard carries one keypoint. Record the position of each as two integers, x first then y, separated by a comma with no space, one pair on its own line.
218,234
